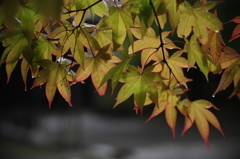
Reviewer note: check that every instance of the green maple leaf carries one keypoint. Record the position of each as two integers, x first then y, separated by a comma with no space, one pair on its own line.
96,65
115,73
44,49
103,36
139,83
197,111
200,21
27,22
40,49
55,75
15,41
49,8
99,9
121,21
195,54
171,7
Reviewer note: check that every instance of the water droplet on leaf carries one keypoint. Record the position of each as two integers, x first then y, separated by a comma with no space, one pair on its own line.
213,96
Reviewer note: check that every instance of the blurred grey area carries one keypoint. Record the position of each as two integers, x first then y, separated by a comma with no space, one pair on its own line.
83,133
91,129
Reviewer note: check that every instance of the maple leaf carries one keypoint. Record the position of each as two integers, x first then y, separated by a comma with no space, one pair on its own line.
176,64
146,12
148,45
103,36
139,83
27,22
198,19
15,41
195,54
55,75
99,9
171,7
96,65
230,60
167,101
214,44
197,111
121,22
115,73
236,31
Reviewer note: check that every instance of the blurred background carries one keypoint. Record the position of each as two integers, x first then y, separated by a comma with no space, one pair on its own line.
91,129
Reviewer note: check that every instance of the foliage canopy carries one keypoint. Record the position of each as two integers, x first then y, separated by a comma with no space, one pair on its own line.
50,38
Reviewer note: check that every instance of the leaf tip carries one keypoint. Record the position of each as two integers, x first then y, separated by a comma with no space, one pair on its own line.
173,132
149,118
207,144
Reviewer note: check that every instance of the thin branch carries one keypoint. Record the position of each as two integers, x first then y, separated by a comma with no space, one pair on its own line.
162,43
84,10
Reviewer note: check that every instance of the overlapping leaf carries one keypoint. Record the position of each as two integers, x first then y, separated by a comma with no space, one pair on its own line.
167,101
231,72
176,63
96,65
121,21
115,73
55,75
139,83
15,41
213,44
148,45
171,7
193,16
195,54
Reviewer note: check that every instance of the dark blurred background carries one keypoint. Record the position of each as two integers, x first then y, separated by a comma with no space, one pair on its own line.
91,129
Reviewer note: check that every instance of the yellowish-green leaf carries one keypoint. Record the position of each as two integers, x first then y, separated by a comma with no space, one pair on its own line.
137,83
118,28
173,12
176,64
200,21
